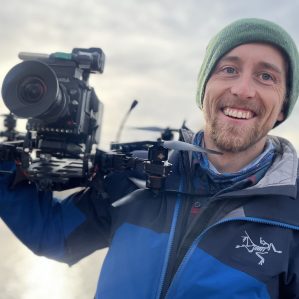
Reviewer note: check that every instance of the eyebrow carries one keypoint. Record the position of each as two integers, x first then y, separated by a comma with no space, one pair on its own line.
264,64
271,66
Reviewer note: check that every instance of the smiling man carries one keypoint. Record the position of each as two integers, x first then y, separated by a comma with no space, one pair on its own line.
224,226
243,101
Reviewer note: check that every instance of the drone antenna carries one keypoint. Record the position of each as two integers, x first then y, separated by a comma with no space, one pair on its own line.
133,105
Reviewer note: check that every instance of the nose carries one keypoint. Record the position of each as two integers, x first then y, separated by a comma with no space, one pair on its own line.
243,87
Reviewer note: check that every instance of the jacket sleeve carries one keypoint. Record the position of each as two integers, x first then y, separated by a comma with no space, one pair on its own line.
65,230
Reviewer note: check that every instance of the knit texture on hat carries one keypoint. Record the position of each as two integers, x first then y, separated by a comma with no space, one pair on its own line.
246,31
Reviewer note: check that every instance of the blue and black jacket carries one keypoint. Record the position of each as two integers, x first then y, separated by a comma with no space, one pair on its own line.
240,244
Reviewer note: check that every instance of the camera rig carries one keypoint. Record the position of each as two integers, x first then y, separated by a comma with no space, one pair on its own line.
63,114
63,122
64,118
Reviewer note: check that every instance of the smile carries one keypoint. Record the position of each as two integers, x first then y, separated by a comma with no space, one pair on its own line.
238,113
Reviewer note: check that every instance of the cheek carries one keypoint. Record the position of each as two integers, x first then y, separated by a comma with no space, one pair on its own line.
280,94
208,100
275,103
209,105
206,107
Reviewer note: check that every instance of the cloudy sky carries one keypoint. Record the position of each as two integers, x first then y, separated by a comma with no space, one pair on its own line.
153,49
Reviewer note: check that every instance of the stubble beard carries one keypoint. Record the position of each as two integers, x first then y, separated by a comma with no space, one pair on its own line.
233,139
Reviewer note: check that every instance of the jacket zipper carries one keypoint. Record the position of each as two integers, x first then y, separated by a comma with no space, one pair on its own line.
198,239
169,246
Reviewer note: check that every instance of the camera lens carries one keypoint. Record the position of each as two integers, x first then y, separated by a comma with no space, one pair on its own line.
31,90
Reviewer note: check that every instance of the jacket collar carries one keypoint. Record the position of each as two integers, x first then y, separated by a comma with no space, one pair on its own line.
280,178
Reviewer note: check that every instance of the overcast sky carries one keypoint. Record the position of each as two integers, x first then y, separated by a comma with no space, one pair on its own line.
153,48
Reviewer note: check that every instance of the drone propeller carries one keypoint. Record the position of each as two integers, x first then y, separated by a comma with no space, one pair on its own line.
183,146
155,129
166,133
168,144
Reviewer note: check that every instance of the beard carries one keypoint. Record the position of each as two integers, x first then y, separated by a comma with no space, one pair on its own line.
229,138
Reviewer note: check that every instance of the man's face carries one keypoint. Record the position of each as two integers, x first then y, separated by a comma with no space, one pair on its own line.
244,97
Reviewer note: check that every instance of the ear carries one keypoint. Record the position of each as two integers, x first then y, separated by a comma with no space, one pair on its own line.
280,116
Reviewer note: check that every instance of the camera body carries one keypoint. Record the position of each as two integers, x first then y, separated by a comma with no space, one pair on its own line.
63,113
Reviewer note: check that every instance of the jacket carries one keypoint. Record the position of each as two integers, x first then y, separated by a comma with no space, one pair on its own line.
240,244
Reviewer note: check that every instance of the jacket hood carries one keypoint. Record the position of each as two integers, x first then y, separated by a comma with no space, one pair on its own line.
281,177
283,171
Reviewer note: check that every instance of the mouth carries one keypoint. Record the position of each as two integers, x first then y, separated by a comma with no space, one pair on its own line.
238,113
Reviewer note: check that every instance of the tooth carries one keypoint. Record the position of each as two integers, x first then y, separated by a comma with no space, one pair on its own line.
238,114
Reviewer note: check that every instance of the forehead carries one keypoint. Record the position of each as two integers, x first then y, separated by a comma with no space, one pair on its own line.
257,53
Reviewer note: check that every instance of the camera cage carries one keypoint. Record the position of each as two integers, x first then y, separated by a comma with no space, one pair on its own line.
63,115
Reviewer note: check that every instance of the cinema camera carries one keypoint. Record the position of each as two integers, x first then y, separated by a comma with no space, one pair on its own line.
63,112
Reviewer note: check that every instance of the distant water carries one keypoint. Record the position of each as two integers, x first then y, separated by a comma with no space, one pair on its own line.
24,275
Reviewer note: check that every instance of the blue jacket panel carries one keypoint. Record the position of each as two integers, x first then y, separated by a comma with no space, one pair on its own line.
145,252
204,276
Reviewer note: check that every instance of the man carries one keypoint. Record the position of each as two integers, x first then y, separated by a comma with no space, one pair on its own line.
225,226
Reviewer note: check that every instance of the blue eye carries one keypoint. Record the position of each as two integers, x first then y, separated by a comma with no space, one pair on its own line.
266,77
229,70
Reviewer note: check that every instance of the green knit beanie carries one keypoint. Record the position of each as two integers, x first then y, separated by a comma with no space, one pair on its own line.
246,31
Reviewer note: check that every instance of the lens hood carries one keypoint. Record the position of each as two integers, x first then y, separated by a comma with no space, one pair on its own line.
42,100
